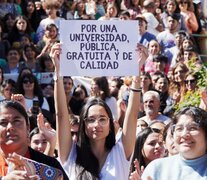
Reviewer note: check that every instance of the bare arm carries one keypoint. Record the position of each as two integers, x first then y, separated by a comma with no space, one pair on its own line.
49,134
130,120
64,138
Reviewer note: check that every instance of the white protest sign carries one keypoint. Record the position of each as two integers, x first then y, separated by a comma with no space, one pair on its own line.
98,48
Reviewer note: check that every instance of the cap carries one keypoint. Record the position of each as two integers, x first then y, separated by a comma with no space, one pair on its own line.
148,3
140,17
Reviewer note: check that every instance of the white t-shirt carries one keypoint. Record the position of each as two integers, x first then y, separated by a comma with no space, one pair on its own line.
112,103
152,23
29,103
116,166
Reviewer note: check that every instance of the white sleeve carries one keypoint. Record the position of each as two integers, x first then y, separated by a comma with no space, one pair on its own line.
112,103
45,104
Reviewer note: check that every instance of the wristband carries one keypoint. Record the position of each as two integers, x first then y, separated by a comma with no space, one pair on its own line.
136,90
55,77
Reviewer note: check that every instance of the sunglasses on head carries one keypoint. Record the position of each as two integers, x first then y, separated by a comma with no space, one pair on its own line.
26,81
190,81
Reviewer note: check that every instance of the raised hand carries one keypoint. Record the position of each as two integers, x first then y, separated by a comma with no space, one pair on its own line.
20,170
142,54
55,55
19,98
49,133
136,175
45,128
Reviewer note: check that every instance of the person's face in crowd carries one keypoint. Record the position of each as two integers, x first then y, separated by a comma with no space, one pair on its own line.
30,53
124,17
172,24
154,79
52,33
179,39
13,130
158,125
13,57
38,142
49,66
169,144
187,43
170,75
111,11
135,2
113,87
153,147
190,139
94,88
28,84
157,3
154,47
51,11
188,55
81,92
25,41
68,85
161,84
183,5
81,7
141,124
145,81
21,25
10,22
179,74
190,83
48,91
159,65
142,26
30,7
7,91
151,104
171,7
97,124
38,5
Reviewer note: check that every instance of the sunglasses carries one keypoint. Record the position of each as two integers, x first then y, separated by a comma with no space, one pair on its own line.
26,81
190,81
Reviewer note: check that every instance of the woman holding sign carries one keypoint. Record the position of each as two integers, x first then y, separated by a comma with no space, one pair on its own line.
96,155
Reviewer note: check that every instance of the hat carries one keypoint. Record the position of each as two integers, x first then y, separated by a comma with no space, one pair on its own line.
140,17
149,3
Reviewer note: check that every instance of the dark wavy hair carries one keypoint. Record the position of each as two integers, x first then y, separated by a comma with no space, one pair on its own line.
87,163
103,85
37,91
141,138
15,35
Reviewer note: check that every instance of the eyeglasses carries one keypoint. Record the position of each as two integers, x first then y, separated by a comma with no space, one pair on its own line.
26,81
192,128
191,81
91,121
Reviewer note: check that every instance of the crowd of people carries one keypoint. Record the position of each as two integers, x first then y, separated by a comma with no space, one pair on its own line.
152,126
